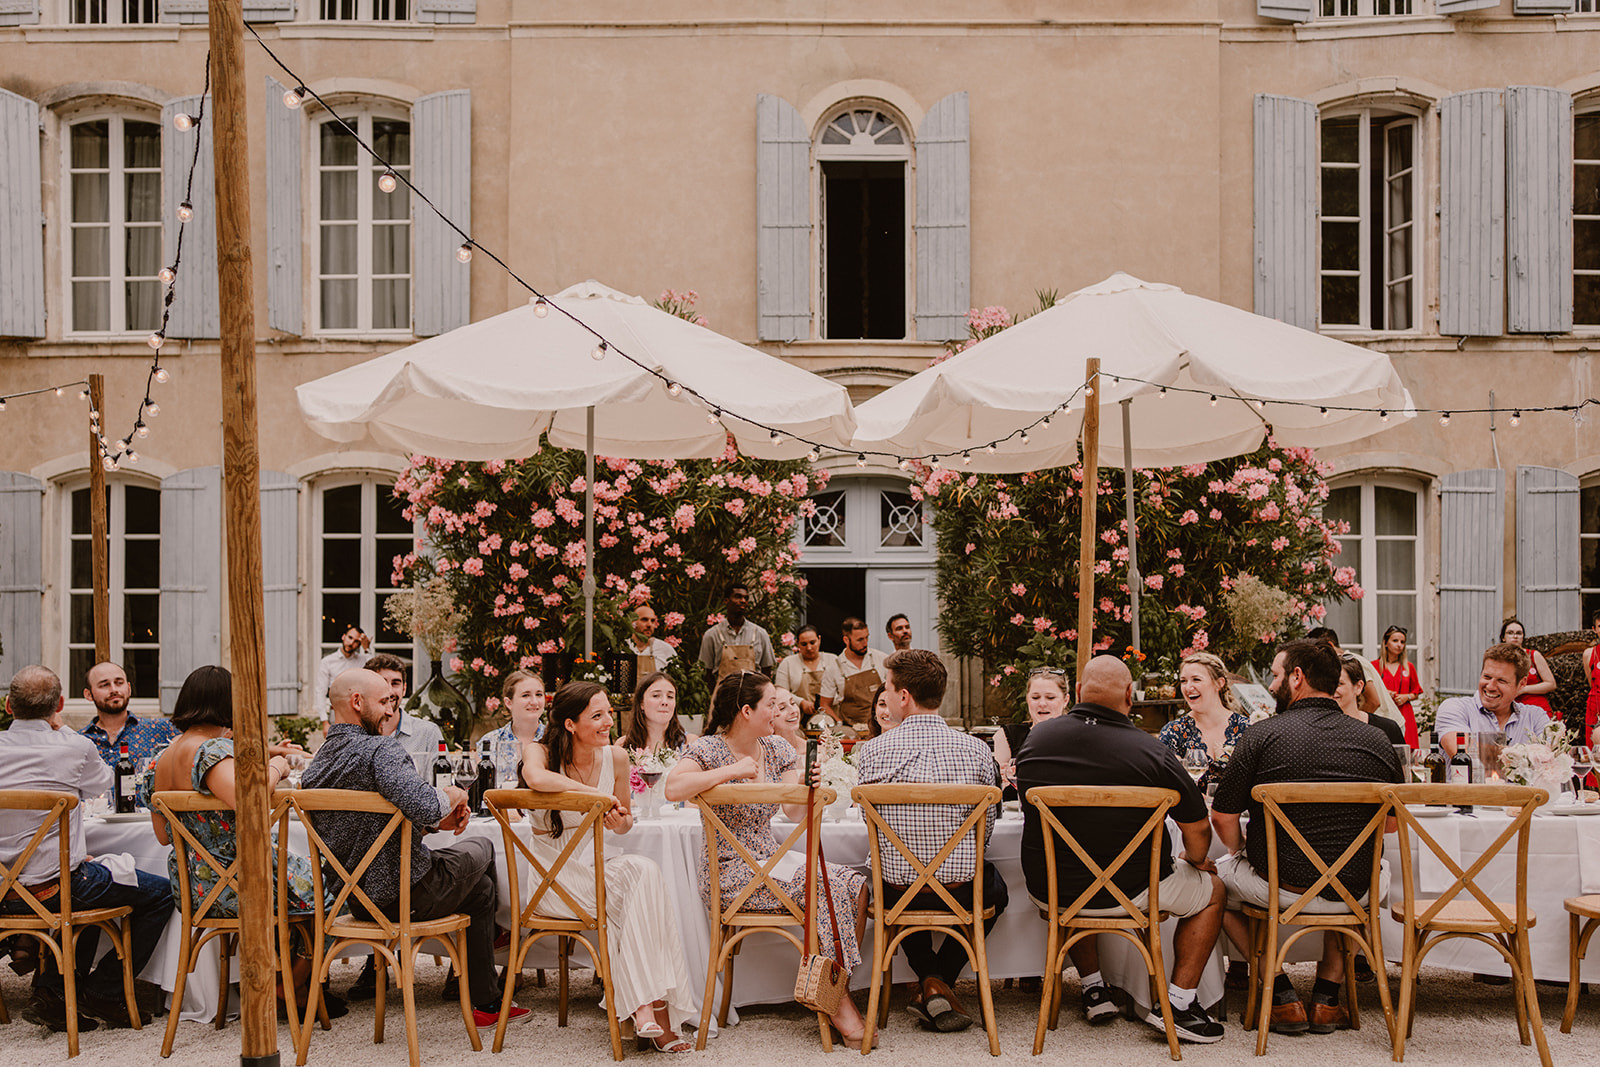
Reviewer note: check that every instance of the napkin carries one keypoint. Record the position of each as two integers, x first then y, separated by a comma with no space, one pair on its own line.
124,871
1588,830
1433,877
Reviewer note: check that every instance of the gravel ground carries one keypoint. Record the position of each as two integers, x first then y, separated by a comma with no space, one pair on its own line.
1460,1023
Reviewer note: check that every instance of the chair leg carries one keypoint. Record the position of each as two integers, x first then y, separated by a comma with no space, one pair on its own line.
1518,999
727,989
875,994
1525,958
711,985
69,983
985,991
1158,978
1574,977
563,948
1350,980
602,976
1408,993
1269,974
225,944
1253,987
185,964
408,997
459,959
1047,983
380,999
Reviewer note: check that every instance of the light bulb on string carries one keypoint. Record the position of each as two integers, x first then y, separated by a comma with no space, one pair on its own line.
1261,405
185,211
540,308
1025,437
714,416
966,458
59,391
777,438
1444,419
183,121
1163,393
1383,416
131,456
83,394
904,464
387,181
141,430
464,253
861,459
162,376
1045,422
108,463
167,274
674,390
122,445
599,351
1213,399
989,448
1516,418
293,98
812,456
151,410
934,461
1324,412
1088,390
2,403
156,340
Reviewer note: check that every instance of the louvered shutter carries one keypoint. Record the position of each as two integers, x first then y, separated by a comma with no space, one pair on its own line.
196,311
285,298
1548,555
1286,210
944,221
449,11
19,12
783,221
21,219
269,11
280,577
21,572
441,153
1539,208
191,576
1472,213
1457,7
1471,549
1540,7
1287,10
184,12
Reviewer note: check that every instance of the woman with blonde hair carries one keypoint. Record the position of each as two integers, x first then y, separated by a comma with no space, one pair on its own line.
1214,721
1399,675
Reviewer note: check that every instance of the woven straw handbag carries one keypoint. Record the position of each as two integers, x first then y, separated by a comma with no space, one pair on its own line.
822,982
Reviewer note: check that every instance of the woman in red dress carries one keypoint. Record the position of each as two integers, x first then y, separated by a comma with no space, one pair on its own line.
1400,678
1540,680
1591,668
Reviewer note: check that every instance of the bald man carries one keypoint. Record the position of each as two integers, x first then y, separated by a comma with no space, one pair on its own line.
1096,744
461,878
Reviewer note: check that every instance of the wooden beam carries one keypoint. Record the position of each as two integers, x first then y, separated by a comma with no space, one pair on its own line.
241,478
99,550
1087,499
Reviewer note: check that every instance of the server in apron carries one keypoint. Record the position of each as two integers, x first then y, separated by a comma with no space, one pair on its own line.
736,644
861,671
650,653
805,673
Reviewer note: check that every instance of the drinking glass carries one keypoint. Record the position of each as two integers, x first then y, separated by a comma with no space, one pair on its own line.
466,771
1196,761
506,755
652,799
297,767
1404,754
1582,764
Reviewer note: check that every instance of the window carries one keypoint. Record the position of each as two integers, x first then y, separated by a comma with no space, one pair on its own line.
360,530
1339,9
1368,213
1589,550
1586,7
111,12
133,525
1586,220
364,241
1385,550
114,229
373,10
862,183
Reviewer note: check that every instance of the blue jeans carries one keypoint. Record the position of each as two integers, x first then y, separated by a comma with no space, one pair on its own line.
92,887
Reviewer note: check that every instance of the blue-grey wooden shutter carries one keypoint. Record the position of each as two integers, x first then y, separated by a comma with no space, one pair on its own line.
191,576
285,300
1548,568
21,219
1472,523
457,11
196,311
1286,156
21,572
1287,10
1457,7
280,577
1540,7
1539,215
19,12
783,221
944,220
441,153
1472,213
188,12
269,11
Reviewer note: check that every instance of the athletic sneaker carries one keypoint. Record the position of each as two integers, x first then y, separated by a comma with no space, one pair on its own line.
1098,1007
488,1020
1191,1023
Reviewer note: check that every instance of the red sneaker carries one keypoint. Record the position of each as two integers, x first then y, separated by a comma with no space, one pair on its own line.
488,1020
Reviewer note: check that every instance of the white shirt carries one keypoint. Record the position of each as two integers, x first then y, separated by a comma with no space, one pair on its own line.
420,736
330,667
792,671
33,756
871,660
658,649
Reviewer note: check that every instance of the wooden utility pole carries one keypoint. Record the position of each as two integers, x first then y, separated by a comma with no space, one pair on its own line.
1087,498
99,551
241,479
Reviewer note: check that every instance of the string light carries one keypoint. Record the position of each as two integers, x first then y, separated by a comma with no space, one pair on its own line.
1213,399
989,448
293,98
674,390
185,211
777,438
540,308
1324,412
1163,393
933,461
904,464
155,340
141,429
1025,437
1045,422
60,390
861,459
1444,419
1516,418
162,376
387,182
83,394
464,253
151,410
130,455
108,463
1383,416
2,403
1261,405
966,458
166,274
813,455
183,121
599,352
714,416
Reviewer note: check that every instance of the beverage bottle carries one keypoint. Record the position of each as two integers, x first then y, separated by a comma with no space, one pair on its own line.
1460,772
125,776
486,775
1434,765
444,774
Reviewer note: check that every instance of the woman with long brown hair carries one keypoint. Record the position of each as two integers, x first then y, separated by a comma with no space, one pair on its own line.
655,724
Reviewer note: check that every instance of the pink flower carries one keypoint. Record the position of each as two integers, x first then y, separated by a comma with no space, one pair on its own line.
548,647
787,640
735,507
455,664
1041,624
1017,588
1018,619
695,570
635,782
508,644
715,618
1188,517
1154,581
747,544
543,519
672,619
1215,514
472,565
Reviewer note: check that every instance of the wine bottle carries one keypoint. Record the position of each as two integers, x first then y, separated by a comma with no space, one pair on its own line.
1461,769
486,774
444,773
125,775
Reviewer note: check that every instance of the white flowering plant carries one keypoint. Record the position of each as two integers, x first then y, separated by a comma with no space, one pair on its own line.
656,759
838,772
1546,760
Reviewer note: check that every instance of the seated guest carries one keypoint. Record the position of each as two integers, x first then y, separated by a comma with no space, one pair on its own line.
1309,740
1386,705
1494,708
420,736
522,695
654,724
922,748
648,974
1047,699
739,746
808,671
787,724
1356,699
114,725
882,717
1096,744
1214,721
37,752
460,878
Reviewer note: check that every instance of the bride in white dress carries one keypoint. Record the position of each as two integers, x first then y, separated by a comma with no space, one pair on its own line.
649,979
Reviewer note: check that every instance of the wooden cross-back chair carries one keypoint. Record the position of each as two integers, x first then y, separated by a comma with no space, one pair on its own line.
58,930
1140,926
1356,927
1583,918
549,910
894,923
1428,922
394,942
731,923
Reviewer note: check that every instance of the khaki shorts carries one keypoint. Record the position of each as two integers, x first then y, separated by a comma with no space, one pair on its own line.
1246,886
1184,892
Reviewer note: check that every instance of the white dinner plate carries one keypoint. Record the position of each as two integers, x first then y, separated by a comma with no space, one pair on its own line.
1576,809
126,816
1422,812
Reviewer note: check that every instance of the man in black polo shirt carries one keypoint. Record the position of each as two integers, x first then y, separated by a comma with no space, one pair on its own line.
1096,744
1308,740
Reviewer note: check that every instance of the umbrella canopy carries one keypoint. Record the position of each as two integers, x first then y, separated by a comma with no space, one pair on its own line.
489,389
1144,330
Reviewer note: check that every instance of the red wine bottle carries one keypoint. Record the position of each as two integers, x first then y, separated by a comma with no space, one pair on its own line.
125,776
444,773
1461,769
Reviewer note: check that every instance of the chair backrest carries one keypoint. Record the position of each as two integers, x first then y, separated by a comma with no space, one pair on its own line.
1273,799
874,798
717,833
1156,801
302,804
57,808
593,808
168,804
1525,798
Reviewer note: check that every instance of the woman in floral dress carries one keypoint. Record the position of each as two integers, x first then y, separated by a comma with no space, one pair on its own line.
739,746
1214,722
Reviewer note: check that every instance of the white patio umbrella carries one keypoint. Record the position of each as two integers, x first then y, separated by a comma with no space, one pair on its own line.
489,390
1296,381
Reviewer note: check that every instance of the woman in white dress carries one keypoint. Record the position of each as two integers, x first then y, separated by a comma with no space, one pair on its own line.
649,979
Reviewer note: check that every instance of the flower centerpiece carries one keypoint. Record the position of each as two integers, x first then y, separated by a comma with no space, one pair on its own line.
1544,762
649,769
838,774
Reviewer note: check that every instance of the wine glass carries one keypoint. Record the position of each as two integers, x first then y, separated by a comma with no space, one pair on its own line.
297,766
650,778
466,772
1196,761
1582,764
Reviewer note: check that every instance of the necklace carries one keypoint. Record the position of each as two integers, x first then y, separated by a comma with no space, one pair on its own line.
587,777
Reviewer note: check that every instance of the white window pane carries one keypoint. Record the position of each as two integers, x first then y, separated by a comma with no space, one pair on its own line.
339,303
91,252
1397,564
339,194
338,249
91,197
144,305
1396,510
142,251
391,250
142,196
391,304
91,306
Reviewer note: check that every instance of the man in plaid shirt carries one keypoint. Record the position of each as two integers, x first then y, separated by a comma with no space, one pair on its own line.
923,749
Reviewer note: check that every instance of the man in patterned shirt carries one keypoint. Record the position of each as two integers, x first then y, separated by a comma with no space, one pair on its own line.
924,749
114,725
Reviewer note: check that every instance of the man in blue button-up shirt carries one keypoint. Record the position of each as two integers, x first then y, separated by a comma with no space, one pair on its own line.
114,725
1493,709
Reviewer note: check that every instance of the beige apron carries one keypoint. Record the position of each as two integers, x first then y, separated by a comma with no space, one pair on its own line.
809,686
642,666
736,658
856,705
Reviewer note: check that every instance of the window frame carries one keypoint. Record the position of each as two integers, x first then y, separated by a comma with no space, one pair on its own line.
370,610
117,224
1587,108
862,526
117,8
364,12
1371,625
362,116
1368,9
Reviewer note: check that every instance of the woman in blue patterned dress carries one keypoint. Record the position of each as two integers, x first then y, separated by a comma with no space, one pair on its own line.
739,746
1213,722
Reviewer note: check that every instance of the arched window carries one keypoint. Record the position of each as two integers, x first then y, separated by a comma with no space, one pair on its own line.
133,525
863,154
358,531
113,213
1370,242
1586,219
363,244
1384,546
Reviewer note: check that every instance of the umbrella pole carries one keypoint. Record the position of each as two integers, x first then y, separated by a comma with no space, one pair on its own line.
588,535
1086,497
1135,583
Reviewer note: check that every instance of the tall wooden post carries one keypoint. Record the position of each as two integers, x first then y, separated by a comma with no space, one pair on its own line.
99,552
241,474
1087,498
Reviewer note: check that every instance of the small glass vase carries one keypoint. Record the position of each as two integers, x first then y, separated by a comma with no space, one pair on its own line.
440,701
